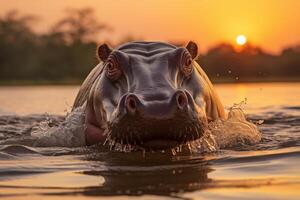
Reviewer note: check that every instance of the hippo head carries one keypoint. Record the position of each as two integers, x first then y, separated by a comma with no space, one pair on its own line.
149,95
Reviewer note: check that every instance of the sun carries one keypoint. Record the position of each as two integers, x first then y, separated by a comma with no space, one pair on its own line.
241,40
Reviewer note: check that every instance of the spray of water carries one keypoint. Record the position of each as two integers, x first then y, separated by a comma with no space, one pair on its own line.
69,133
233,132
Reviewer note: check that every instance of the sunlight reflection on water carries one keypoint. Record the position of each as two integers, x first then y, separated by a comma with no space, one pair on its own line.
268,170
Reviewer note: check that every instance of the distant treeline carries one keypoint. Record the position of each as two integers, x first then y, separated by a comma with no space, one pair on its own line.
66,53
224,63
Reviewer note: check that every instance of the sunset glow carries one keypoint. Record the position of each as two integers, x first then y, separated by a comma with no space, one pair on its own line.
241,40
179,21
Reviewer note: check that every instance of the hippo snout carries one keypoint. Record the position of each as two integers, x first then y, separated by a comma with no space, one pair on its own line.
156,123
134,105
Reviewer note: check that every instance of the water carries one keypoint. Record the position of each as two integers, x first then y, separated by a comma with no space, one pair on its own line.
34,168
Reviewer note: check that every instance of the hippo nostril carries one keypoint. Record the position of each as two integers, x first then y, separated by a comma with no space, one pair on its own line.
131,104
181,100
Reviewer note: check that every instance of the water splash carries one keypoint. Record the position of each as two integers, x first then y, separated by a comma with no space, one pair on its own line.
235,131
70,133
205,144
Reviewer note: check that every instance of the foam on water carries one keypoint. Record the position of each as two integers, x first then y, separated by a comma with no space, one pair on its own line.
69,133
235,131
266,170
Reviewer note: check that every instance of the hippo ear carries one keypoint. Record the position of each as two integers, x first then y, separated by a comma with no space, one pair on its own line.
103,52
192,48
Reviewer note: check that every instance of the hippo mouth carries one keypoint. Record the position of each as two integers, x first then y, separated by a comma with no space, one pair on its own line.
154,134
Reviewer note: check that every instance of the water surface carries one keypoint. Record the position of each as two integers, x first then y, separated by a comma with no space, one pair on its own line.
267,170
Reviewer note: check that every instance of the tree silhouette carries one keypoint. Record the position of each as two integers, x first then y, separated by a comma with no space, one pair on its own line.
79,25
66,53
17,45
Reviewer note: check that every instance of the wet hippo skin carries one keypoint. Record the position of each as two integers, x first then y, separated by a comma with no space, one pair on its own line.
148,94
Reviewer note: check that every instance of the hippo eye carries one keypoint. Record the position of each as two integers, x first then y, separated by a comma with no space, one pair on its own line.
186,66
113,71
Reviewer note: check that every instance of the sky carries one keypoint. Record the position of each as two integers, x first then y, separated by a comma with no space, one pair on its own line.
270,24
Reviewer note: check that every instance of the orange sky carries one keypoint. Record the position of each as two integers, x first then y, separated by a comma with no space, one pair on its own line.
271,24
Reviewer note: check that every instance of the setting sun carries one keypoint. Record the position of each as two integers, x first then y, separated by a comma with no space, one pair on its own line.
241,40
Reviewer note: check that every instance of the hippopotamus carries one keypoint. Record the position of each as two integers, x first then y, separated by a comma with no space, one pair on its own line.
153,95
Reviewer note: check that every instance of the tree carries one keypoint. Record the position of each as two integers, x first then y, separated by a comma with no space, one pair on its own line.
79,25
17,46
